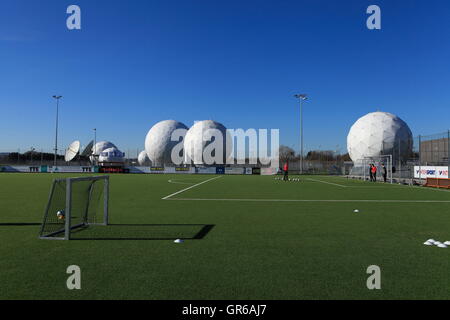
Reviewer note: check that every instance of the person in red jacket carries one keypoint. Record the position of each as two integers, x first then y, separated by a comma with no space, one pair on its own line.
286,169
374,173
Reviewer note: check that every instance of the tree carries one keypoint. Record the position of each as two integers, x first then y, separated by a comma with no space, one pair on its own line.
286,153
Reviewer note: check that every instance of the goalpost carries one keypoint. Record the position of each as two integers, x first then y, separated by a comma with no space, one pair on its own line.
74,204
361,167
377,161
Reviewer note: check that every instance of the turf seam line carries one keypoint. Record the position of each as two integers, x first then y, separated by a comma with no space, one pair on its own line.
397,185
311,200
176,182
334,184
185,189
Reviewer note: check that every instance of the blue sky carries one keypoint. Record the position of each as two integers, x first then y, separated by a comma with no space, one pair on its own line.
239,62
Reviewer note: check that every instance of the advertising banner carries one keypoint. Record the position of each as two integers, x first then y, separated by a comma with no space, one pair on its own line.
156,169
114,170
256,170
424,172
234,170
139,169
220,170
210,170
182,170
17,169
66,169
269,171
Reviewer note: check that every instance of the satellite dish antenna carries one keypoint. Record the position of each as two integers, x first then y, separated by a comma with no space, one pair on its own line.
87,151
72,150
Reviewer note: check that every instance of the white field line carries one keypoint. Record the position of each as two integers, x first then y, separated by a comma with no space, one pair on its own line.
334,184
308,200
195,185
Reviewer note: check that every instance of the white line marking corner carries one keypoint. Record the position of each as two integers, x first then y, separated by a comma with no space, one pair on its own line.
185,189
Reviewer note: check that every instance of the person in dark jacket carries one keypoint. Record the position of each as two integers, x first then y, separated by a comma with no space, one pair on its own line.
384,172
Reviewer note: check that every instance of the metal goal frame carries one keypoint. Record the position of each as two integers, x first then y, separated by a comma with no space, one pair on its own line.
68,227
386,159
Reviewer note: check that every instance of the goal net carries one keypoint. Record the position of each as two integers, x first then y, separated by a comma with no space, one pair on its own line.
74,204
361,167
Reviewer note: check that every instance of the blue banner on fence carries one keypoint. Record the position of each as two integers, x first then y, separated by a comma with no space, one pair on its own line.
220,170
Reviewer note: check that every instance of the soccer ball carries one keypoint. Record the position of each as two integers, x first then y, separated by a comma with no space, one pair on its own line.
60,215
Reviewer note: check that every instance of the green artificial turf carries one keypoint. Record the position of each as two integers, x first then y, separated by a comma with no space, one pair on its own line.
247,237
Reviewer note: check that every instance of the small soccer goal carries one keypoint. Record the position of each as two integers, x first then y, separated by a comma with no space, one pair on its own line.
73,205
361,167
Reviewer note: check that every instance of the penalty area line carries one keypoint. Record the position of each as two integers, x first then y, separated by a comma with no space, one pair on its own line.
308,200
186,189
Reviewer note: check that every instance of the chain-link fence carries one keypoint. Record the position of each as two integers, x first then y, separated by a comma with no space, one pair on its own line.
424,150
433,150
46,157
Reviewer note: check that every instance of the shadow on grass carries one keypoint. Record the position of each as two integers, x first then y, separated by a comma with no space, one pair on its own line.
133,231
19,224
142,232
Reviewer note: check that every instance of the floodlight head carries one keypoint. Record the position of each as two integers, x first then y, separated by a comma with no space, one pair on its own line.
301,96
57,97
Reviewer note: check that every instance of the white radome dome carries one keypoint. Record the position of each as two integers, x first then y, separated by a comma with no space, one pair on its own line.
158,144
196,141
143,159
101,146
379,133
111,155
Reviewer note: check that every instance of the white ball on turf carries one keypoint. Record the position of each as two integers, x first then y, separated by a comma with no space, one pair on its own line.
60,214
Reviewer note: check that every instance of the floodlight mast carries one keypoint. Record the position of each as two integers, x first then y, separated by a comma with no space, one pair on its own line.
95,146
302,97
31,155
56,134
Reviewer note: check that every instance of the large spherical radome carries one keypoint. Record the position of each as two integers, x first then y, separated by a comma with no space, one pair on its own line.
196,140
379,133
158,144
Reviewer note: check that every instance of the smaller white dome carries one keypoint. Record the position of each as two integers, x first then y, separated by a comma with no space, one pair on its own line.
102,145
111,155
143,159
